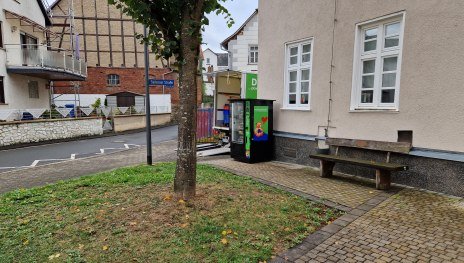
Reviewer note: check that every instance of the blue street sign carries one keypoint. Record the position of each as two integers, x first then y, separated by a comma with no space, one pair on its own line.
162,82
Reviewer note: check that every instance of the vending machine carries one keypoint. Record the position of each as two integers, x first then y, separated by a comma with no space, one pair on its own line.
251,130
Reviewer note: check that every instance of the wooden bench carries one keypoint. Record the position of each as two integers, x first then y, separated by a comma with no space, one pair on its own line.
383,169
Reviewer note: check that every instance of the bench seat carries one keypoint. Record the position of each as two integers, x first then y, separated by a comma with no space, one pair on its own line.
370,164
383,170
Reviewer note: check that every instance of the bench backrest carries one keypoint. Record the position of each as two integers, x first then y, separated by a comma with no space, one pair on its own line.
397,147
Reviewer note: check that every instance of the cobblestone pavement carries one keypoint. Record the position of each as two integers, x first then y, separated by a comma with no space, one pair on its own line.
410,226
46,174
338,190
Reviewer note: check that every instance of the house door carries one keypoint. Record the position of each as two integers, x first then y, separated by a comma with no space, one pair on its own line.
29,50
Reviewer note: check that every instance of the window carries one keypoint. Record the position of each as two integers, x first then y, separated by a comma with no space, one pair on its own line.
253,54
208,61
33,89
298,74
1,34
113,80
378,64
2,92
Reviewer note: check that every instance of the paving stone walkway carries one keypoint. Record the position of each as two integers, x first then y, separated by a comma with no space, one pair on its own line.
407,226
46,174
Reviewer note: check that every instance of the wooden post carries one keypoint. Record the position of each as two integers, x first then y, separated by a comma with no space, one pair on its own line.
382,179
326,168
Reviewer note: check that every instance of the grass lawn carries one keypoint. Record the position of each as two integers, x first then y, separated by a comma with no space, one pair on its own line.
129,215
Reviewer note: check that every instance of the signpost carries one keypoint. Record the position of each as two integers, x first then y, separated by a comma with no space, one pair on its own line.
147,101
162,82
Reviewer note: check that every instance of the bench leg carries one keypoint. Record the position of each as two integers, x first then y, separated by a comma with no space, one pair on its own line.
327,168
382,179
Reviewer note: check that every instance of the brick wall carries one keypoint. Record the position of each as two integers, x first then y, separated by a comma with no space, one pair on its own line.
131,79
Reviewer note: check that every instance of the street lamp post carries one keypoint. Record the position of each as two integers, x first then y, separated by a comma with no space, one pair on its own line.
147,100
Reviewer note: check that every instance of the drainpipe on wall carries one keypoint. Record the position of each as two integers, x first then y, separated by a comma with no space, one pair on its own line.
329,115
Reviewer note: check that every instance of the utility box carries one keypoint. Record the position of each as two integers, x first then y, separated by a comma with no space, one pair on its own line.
252,138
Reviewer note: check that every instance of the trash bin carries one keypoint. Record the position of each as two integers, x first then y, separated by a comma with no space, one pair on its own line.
71,113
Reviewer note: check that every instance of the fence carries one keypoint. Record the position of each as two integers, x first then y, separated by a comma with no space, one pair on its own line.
76,112
205,125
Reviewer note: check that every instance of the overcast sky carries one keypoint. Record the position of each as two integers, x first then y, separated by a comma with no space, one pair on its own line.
217,30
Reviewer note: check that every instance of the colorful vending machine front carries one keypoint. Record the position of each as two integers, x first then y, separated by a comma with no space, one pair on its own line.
252,125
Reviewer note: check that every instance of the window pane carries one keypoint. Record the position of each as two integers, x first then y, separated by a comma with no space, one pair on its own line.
389,64
293,51
307,48
293,75
366,96
368,66
388,96
304,86
305,74
292,99
293,60
392,42
393,29
370,45
370,34
389,80
368,82
306,58
304,98
292,87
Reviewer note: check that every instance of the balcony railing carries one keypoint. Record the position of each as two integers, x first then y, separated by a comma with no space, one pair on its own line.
41,56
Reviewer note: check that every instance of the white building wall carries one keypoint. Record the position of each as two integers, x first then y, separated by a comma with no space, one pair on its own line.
16,86
239,47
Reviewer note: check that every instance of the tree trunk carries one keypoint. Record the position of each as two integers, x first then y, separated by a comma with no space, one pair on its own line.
185,179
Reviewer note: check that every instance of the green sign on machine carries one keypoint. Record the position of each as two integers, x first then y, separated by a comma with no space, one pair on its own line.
251,87
247,130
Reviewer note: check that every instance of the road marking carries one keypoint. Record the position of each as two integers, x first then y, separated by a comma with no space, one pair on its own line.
35,163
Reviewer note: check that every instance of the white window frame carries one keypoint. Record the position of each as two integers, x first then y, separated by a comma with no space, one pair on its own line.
113,80
298,67
379,54
208,61
255,53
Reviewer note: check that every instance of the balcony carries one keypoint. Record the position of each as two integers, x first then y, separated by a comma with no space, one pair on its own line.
39,61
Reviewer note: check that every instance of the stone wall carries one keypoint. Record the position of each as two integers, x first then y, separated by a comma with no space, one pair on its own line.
12,133
136,122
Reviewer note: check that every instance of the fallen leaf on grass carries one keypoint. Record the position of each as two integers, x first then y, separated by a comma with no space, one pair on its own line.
105,248
51,257
167,198
26,242
132,223
81,246
184,225
224,241
224,233
181,201
287,229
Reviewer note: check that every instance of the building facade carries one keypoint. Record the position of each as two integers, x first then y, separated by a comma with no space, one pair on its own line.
212,61
368,70
106,39
27,63
242,46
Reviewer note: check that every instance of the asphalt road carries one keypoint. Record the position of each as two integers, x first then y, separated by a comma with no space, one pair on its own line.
38,155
